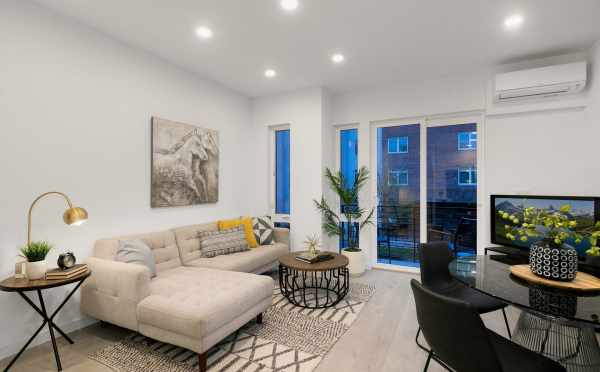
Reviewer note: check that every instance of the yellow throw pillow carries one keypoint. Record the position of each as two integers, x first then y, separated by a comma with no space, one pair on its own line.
246,222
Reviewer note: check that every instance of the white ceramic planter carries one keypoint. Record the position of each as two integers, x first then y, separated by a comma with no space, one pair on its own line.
357,264
35,270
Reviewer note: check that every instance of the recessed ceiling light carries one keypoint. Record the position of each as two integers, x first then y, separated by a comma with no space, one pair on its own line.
270,73
338,58
513,22
289,5
204,32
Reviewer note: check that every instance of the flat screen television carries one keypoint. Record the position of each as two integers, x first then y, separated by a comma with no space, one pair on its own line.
585,210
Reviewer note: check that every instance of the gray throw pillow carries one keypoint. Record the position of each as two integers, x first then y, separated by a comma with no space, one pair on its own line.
136,252
216,243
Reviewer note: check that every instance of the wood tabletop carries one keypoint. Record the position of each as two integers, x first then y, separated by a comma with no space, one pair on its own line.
583,282
13,284
290,261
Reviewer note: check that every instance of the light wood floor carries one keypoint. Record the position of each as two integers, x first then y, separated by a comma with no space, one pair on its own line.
380,340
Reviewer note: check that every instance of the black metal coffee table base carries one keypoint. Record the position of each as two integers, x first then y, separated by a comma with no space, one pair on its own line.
314,289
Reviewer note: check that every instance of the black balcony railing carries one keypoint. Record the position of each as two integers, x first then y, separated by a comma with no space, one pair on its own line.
398,228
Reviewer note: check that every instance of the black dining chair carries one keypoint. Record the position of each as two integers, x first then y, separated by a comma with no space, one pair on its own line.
464,344
435,275
465,237
462,240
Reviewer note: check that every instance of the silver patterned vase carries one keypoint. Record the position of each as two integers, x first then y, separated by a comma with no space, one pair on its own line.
553,262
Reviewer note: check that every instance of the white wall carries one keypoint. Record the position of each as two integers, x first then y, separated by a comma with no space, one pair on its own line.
328,149
592,112
405,100
303,112
537,147
75,110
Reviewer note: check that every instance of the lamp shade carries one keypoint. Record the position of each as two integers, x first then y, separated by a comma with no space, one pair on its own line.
75,216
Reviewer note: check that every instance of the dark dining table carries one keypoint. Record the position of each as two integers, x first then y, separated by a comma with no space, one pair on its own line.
556,323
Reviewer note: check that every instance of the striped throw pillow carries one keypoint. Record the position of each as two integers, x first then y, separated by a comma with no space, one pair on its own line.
216,243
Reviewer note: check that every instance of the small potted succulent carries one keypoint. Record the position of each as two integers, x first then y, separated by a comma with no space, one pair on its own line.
550,231
35,253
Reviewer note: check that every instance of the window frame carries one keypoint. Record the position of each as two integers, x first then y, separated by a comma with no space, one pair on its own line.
278,217
470,146
338,163
426,121
397,140
338,155
399,172
471,171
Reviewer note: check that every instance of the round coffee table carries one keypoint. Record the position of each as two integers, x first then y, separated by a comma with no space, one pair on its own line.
314,286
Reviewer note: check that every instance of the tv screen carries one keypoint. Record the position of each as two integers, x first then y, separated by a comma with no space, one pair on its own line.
585,210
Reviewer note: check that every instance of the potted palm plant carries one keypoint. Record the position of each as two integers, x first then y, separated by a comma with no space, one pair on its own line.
35,253
354,217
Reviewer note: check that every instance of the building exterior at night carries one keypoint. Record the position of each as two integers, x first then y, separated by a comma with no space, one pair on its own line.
451,164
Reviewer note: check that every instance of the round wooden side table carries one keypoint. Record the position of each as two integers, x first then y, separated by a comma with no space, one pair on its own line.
314,286
22,285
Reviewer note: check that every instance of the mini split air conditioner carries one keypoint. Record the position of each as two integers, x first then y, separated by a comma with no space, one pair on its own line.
541,82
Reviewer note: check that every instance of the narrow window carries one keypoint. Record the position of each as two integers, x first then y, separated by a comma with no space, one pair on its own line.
349,168
282,171
349,159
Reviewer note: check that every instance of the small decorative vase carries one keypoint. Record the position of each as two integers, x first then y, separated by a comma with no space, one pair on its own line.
593,260
552,262
35,270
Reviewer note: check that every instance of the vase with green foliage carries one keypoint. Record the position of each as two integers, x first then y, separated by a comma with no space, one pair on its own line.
35,253
550,231
351,213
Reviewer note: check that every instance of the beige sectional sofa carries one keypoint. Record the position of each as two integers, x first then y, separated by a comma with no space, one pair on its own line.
193,302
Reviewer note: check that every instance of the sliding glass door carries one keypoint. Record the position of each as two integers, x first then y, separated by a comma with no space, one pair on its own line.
398,194
441,207
452,186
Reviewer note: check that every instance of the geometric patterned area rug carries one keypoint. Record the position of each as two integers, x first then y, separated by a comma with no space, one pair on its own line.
290,339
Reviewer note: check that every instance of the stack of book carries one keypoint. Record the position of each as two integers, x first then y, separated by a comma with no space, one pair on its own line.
314,258
59,274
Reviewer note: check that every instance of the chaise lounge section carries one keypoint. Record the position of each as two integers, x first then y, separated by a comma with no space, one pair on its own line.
193,302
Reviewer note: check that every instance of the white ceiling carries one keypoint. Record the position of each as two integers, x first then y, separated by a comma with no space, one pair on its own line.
383,40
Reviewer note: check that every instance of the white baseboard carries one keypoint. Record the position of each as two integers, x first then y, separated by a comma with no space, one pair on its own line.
400,269
43,336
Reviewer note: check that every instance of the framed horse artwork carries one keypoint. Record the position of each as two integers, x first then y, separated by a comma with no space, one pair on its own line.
185,164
